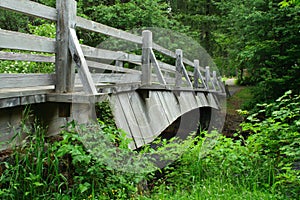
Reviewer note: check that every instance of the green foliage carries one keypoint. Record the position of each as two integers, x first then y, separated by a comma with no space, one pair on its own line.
25,67
275,134
63,169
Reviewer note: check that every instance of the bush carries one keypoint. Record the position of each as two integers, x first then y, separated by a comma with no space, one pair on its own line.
275,135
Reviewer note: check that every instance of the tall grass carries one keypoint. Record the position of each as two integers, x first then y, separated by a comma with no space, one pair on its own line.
228,171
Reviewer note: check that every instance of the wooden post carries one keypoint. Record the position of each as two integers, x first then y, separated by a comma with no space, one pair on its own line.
178,67
119,63
196,73
215,82
146,65
207,76
65,71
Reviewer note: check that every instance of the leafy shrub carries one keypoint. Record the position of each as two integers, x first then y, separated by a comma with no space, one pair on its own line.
275,135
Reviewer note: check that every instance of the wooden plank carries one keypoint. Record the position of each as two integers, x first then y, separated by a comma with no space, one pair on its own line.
131,119
30,8
167,67
26,80
157,68
26,57
190,98
22,41
91,52
96,66
212,101
20,92
113,78
76,97
82,66
106,30
158,119
170,105
119,88
140,111
120,119
201,100
22,100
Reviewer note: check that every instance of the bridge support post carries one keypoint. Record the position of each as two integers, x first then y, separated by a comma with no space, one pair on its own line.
65,71
208,79
146,51
216,81
178,67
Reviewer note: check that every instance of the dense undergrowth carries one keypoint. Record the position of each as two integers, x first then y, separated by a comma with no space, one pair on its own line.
263,165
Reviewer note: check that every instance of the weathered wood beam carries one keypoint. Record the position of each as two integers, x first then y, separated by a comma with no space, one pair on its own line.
23,41
198,75
26,80
146,65
94,66
91,52
26,57
209,82
22,100
65,71
30,8
113,78
78,57
157,68
20,92
178,68
107,30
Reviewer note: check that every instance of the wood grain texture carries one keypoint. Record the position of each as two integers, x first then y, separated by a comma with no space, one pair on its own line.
26,80
26,57
78,57
101,67
30,8
157,68
22,41
65,70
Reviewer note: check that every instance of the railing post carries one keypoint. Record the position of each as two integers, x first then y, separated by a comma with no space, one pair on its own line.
216,82
146,50
178,67
65,71
196,73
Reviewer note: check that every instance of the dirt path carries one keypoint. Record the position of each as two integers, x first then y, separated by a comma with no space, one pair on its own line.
233,119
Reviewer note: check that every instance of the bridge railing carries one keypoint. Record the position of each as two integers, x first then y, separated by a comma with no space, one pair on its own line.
92,74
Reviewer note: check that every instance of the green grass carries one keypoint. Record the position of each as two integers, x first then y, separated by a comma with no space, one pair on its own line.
213,189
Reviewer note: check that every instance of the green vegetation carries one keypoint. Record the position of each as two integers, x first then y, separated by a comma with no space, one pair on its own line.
262,165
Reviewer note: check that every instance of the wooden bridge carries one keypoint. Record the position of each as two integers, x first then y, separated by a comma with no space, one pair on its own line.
145,99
